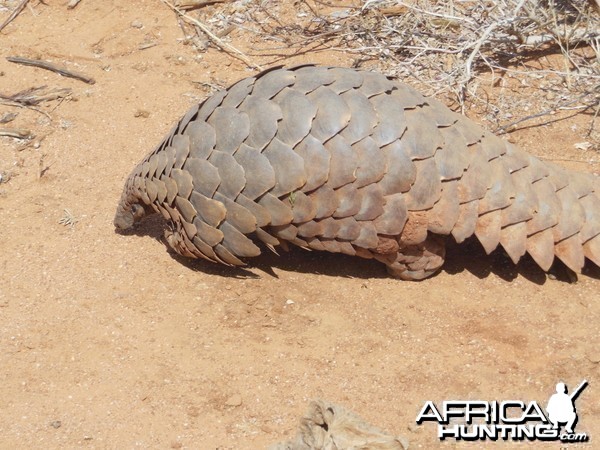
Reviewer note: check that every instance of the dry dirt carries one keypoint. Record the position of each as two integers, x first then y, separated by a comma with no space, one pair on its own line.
112,341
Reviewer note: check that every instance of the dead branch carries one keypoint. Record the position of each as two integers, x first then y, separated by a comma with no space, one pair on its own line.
581,161
574,37
213,37
147,45
593,121
14,14
51,67
549,111
35,96
188,5
18,133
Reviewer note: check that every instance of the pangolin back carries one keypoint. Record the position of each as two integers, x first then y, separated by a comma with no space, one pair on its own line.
354,162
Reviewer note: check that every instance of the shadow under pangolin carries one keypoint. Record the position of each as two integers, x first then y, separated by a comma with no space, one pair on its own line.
468,256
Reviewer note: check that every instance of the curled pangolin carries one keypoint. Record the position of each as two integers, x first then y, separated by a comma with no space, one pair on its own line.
354,162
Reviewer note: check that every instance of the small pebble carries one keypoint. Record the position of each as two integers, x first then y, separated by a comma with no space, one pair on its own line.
137,24
234,400
141,113
56,424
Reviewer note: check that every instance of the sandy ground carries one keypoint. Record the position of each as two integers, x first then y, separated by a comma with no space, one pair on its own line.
112,341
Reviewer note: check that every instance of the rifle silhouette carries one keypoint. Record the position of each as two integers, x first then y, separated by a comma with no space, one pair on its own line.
578,390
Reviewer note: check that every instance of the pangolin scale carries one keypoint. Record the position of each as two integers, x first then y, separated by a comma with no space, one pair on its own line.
351,161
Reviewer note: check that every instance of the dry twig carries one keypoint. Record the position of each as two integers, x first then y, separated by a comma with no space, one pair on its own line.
188,5
213,37
509,126
42,166
68,219
20,105
17,133
35,96
14,14
49,66
29,98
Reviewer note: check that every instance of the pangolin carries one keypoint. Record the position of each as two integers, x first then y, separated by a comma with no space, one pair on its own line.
354,162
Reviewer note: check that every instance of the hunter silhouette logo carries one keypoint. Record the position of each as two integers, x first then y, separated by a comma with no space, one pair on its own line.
472,420
561,406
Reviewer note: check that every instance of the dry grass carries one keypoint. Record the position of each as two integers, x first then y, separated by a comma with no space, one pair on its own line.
454,49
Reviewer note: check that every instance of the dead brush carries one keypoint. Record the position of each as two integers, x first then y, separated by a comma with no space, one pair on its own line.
454,49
